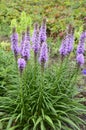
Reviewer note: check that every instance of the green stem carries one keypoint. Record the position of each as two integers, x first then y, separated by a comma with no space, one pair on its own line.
21,97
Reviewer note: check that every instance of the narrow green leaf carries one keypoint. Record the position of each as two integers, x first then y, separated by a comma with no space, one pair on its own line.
10,122
37,122
42,126
13,128
70,122
1,125
49,121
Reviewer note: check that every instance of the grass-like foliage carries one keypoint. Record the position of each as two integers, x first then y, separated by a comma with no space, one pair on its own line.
36,100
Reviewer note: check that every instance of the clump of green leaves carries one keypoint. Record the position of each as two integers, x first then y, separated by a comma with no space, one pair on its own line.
41,101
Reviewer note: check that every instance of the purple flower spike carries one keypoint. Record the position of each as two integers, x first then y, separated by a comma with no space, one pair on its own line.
42,33
36,44
81,46
63,48
80,59
67,43
70,42
43,53
14,41
34,33
84,71
21,64
26,50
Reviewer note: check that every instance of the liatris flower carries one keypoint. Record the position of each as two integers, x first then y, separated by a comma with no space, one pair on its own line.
36,44
84,71
80,59
22,42
43,55
42,33
14,45
81,46
21,64
63,48
36,27
70,42
67,43
26,50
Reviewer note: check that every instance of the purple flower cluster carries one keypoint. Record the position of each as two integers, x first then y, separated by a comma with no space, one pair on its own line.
80,49
70,43
36,44
21,64
26,50
81,46
43,53
84,71
63,48
36,27
67,45
14,41
80,59
42,33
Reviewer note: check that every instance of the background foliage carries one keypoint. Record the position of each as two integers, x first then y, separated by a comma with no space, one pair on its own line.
59,13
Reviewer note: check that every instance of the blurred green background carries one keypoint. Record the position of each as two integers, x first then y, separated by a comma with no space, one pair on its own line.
59,13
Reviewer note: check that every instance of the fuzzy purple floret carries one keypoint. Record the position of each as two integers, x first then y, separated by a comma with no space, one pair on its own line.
80,59
67,45
21,64
43,53
70,42
63,48
14,45
42,33
26,50
81,46
34,33
84,71
36,42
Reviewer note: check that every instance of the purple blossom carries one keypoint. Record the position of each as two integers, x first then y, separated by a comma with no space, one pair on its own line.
42,33
84,71
14,41
26,50
81,46
63,48
43,53
21,64
34,33
35,39
36,42
70,42
80,59
67,45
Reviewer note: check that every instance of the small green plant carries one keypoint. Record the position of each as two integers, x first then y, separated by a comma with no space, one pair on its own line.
24,21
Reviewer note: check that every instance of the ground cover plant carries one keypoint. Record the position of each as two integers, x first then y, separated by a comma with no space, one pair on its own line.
37,95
